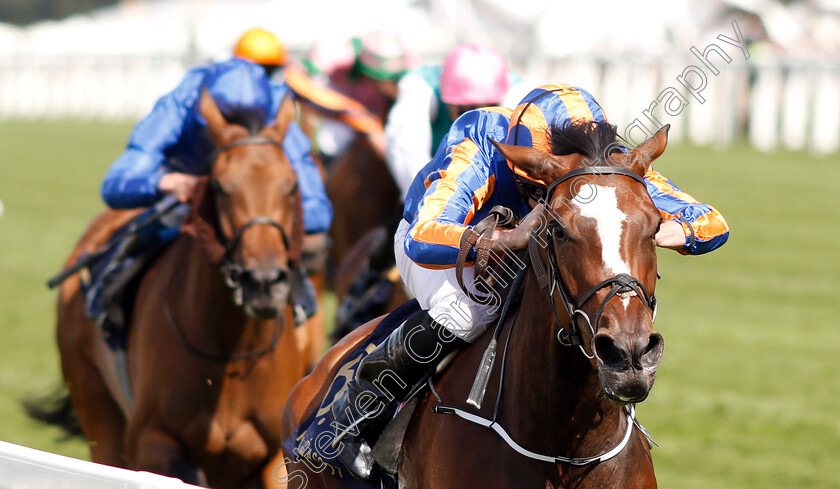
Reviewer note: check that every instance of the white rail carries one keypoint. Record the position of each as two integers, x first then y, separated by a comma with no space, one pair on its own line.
794,105
27,468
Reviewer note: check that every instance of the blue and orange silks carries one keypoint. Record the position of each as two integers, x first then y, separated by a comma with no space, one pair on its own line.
467,177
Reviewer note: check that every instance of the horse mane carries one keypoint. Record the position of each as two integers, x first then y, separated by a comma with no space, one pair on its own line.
592,139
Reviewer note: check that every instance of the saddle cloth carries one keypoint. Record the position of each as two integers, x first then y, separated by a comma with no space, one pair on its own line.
107,284
311,442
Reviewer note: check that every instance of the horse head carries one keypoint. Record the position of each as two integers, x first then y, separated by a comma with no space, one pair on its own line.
257,202
595,228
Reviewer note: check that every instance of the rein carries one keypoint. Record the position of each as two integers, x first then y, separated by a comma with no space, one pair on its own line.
554,459
232,271
549,279
170,320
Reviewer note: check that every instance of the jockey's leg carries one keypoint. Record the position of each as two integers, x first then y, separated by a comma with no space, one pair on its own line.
134,251
448,321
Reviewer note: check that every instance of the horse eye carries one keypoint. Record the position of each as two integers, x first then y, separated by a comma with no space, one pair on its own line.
558,231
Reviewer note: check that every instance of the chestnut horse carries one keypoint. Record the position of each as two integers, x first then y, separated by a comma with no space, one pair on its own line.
559,416
211,354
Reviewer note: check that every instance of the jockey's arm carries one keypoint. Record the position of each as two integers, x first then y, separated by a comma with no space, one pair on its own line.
317,210
134,178
408,130
449,204
689,226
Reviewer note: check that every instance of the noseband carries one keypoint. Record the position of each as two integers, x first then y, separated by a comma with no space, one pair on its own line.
550,280
231,270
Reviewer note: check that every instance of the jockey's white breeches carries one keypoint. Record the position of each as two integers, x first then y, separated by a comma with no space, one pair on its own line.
438,292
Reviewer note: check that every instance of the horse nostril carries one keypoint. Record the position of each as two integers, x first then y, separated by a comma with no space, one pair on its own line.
648,353
264,278
611,353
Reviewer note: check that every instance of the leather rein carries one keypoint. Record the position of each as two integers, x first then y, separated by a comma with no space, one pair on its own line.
549,279
232,271
548,274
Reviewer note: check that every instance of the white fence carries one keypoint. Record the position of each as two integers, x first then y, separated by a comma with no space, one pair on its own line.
775,105
85,87
794,105
27,468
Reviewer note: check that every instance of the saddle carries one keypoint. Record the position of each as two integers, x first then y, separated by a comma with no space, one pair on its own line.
310,442
110,278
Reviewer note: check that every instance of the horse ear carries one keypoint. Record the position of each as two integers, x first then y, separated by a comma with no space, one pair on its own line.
539,165
652,148
285,116
211,113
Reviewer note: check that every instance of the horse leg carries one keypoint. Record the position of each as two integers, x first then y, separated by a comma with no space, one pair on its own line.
101,418
157,451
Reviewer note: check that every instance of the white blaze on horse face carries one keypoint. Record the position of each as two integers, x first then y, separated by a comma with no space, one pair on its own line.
600,203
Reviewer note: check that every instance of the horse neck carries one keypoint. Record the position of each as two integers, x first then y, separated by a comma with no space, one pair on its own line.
552,393
208,315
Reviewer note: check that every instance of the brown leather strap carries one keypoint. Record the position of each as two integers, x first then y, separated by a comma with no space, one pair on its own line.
482,242
296,242
540,270
468,240
480,237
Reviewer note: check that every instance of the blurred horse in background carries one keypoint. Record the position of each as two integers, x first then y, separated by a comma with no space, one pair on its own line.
212,349
366,201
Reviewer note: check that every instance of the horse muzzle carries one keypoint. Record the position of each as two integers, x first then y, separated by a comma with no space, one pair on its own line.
265,291
627,364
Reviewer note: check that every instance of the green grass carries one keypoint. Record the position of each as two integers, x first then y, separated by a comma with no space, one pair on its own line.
748,393
49,184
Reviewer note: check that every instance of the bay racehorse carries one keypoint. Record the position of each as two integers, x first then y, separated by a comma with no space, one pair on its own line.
555,415
212,352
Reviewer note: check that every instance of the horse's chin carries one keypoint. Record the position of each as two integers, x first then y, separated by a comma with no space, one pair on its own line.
626,386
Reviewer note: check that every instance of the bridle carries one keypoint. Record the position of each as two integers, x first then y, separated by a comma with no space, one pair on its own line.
231,270
550,279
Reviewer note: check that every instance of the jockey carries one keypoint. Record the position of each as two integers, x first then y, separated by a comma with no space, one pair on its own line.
352,84
432,96
456,189
364,69
170,149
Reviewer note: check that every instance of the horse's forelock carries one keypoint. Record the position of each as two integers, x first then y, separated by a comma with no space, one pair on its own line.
250,119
